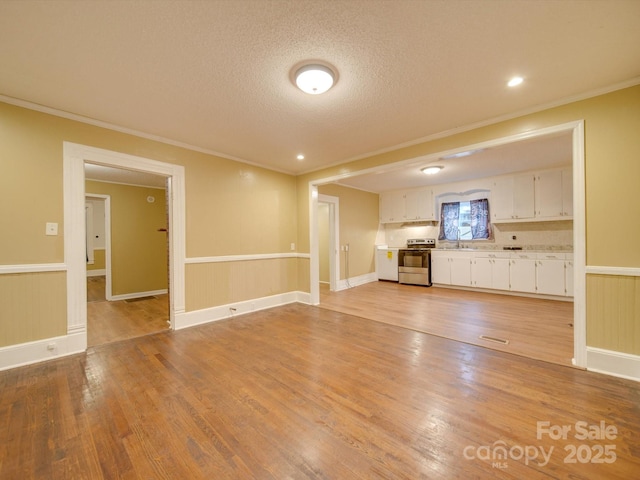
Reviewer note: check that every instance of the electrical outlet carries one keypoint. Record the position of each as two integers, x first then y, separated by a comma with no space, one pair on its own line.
51,228
293,246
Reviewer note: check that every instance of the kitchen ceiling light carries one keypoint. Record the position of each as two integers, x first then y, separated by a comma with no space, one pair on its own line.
461,154
431,170
314,79
300,157
515,81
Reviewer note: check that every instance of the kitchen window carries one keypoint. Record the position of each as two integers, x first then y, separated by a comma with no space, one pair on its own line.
465,220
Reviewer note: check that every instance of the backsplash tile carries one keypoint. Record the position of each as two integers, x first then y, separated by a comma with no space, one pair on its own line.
556,236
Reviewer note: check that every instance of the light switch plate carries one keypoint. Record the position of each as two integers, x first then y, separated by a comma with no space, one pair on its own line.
51,229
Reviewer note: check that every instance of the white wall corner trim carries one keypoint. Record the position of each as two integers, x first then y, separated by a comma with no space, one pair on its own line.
617,364
231,310
48,349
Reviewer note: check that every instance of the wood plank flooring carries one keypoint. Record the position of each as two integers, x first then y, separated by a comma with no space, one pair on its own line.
536,328
112,321
307,393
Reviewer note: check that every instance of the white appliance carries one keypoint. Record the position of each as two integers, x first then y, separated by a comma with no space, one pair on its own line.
387,263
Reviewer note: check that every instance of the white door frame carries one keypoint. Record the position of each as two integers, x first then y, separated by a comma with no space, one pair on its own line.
334,238
74,158
108,295
579,220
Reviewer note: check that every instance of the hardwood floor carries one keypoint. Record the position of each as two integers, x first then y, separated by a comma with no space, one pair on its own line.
119,320
306,392
536,328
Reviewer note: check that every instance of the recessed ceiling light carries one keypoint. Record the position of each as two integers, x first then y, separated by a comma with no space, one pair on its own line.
314,79
461,154
300,157
515,81
431,170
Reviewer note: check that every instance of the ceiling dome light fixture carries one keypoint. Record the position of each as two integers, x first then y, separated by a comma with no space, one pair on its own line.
515,81
431,170
314,79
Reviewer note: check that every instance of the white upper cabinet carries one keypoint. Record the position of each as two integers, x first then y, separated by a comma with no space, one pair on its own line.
418,204
554,194
406,206
392,207
567,192
512,198
543,195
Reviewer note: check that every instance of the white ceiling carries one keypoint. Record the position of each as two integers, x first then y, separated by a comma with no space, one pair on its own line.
215,74
529,154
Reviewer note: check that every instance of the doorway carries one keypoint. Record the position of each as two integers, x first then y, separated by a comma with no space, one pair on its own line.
329,241
127,266
75,157
576,132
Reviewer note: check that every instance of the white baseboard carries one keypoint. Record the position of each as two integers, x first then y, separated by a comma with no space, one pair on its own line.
33,352
129,296
617,364
356,281
96,273
222,312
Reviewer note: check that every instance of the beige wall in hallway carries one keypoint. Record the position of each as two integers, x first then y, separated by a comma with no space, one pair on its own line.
232,208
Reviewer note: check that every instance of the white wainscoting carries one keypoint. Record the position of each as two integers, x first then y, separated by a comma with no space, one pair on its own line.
41,350
230,310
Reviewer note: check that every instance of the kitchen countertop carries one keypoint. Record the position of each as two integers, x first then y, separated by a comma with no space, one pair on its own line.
495,250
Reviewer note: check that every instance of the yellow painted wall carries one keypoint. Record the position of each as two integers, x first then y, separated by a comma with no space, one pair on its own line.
33,306
358,227
138,250
214,284
231,208
613,306
99,260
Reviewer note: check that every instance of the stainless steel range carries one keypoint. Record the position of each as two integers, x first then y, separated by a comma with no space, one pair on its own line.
414,262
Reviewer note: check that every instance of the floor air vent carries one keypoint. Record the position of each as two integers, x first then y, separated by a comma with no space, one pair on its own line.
494,339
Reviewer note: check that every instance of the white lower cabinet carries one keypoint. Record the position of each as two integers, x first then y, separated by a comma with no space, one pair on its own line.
440,268
491,270
461,269
568,275
451,268
550,274
481,273
522,272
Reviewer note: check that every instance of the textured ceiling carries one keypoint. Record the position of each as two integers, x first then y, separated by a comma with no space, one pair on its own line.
216,74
